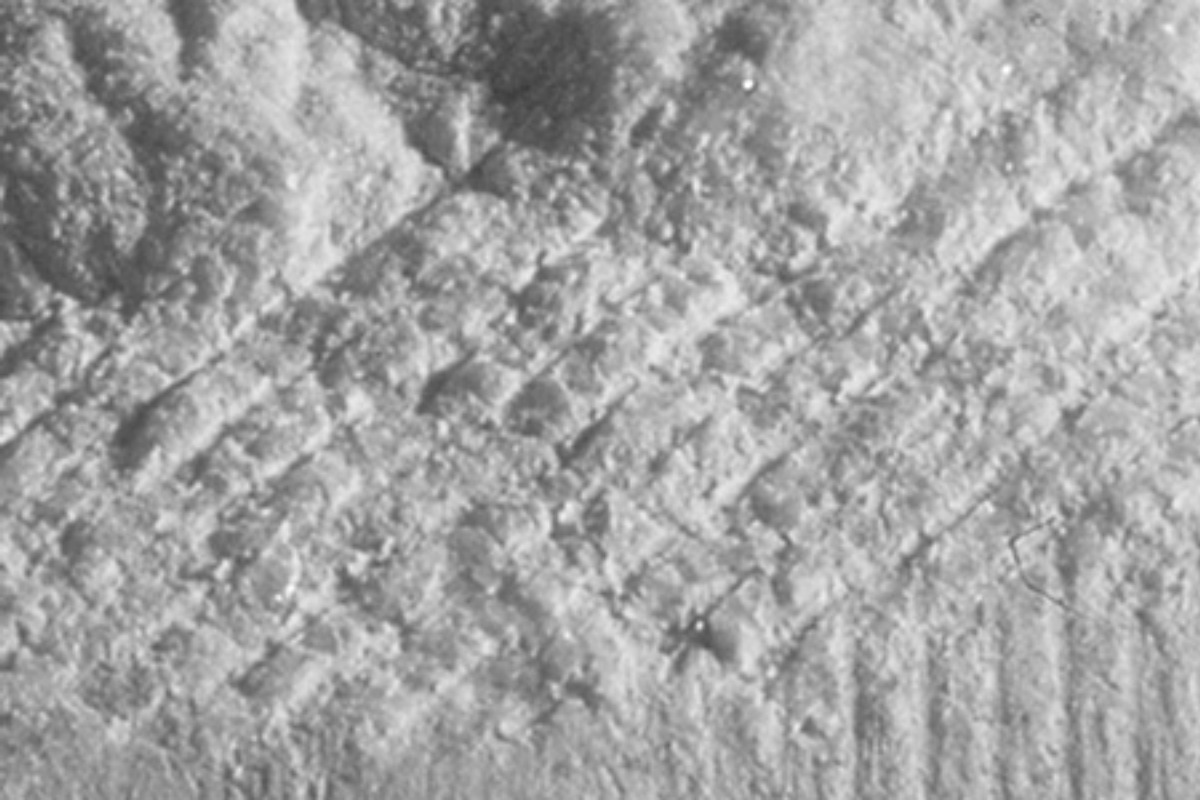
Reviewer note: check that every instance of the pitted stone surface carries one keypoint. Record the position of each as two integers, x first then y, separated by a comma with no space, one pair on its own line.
515,398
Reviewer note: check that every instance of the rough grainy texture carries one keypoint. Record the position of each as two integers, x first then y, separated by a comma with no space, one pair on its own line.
638,399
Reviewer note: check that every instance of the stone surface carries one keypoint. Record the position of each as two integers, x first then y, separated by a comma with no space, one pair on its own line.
625,398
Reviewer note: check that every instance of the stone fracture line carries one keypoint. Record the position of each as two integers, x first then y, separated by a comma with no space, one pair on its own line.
81,420
284,381
271,505
940,297
937,293
277,509
288,507
1079,81
219,386
1124,147
1149,318
1000,467
974,498
206,345
218,345
182,417
299,453
64,352
662,348
208,339
23,378
227,402
707,304
1157,431
206,442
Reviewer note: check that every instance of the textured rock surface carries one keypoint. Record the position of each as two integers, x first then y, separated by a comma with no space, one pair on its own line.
517,399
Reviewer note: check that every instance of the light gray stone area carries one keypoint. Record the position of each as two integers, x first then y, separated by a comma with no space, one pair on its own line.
599,399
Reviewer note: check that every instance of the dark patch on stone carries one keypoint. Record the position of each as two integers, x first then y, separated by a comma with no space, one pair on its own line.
554,77
540,410
745,37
